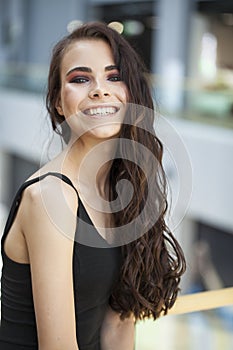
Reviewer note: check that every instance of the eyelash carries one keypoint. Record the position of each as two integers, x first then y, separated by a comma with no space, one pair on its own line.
82,80
79,80
115,77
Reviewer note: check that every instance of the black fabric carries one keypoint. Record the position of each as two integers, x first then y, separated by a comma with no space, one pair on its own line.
95,270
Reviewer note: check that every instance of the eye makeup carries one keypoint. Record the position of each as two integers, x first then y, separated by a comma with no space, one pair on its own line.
73,75
77,78
89,70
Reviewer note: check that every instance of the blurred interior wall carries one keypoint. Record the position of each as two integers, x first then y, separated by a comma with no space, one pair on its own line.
170,50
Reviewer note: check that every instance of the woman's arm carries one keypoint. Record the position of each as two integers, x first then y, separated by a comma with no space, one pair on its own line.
117,334
50,253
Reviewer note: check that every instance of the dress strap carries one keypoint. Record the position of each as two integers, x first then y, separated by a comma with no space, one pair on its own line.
62,177
18,197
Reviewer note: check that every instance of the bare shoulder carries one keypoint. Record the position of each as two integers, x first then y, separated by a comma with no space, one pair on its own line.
50,185
50,202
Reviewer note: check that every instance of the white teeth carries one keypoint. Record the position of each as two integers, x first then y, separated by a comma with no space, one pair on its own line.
101,111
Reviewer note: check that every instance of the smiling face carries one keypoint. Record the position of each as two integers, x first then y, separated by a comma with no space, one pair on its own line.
92,97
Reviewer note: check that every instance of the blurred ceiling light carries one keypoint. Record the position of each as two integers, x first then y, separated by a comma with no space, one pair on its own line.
133,27
227,19
118,26
72,25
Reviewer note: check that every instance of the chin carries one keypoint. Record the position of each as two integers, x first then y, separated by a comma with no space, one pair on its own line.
105,132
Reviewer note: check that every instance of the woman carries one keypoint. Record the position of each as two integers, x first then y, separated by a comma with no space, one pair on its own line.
72,286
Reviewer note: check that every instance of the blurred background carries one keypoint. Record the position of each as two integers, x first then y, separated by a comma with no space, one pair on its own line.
187,46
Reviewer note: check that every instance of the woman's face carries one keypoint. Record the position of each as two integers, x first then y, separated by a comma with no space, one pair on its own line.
92,97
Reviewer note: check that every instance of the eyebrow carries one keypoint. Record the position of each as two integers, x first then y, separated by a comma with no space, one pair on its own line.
89,70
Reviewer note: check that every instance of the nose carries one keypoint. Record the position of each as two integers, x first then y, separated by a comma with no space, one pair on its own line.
99,92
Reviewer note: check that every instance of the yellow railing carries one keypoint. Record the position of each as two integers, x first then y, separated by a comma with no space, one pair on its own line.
202,301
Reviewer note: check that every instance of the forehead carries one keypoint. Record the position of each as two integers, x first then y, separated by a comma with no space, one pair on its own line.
87,52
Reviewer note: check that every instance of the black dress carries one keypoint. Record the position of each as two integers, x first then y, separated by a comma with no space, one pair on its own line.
95,270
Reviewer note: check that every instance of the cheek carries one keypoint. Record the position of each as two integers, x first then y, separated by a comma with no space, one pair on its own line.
123,93
70,100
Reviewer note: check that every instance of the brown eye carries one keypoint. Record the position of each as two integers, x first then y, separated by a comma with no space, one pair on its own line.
79,80
115,77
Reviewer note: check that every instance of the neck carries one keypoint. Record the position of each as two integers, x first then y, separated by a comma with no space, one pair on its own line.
91,162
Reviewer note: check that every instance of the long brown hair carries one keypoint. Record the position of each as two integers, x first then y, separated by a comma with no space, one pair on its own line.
154,262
